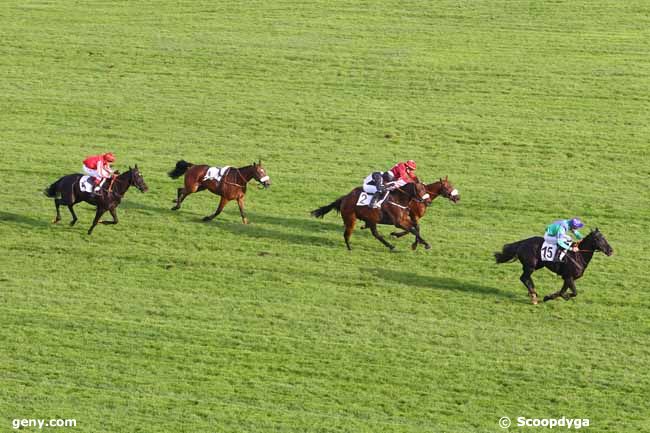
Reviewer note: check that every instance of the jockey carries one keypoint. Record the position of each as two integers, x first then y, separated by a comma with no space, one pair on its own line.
559,231
404,172
98,168
380,183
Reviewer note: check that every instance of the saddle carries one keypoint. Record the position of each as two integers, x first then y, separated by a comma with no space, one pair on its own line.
216,173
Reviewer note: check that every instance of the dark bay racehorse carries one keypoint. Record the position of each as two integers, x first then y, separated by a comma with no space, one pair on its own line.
232,185
67,188
394,211
574,266
440,188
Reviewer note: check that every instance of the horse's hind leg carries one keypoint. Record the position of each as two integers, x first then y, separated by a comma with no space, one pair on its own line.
180,196
349,222
74,215
527,280
375,233
57,203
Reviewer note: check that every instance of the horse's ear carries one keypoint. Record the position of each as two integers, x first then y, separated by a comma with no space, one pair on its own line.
136,166
254,164
446,178
130,168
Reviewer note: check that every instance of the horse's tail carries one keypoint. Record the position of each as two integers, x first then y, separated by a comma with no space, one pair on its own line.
321,211
51,190
508,253
180,169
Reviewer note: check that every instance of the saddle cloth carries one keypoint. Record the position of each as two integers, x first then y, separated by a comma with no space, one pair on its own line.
550,253
365,199
216,173
86,185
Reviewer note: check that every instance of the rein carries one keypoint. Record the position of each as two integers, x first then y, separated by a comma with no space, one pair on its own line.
236,184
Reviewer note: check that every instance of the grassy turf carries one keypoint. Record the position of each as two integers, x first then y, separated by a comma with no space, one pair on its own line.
535,110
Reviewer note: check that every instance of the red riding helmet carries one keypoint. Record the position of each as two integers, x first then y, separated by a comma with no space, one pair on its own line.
410,164
109,157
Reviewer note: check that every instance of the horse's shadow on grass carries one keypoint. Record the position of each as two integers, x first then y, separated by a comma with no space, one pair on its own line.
255,231
22,220
439,283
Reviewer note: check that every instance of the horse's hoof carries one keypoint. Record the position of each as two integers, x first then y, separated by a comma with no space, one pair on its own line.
55,221
206,219
547,298
394,234
175,208
72,223
427,246
245,221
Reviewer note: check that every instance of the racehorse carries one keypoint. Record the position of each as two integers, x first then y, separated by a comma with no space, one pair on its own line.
442,187
110,197
528,251
394,211
232,185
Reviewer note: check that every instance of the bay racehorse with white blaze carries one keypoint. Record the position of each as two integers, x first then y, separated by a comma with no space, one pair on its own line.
67,191
232,185
442,188
394,211
528,252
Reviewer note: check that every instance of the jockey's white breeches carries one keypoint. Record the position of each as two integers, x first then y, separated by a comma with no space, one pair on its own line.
92,173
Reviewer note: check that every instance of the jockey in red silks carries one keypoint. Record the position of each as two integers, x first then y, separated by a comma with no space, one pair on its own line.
380,184
98,168
404,172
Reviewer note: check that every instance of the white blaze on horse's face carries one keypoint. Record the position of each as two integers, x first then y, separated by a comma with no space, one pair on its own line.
425,196
264,178
454,193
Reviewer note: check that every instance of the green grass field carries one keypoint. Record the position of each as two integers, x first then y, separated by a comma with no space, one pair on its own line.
163,323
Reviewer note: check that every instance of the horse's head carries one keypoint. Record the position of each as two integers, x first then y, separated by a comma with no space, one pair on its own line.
260,174
600,243
137,180
447,190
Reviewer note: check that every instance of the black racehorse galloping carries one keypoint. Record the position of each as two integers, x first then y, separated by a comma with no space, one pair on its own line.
67,188
574,266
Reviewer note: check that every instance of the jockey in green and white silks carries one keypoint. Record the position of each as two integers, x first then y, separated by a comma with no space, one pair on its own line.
559,232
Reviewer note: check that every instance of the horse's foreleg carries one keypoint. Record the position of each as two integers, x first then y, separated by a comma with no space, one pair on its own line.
240,202
114,215
98,214
399,234
222,203
558,293
414,229
74,215
569,284
379,237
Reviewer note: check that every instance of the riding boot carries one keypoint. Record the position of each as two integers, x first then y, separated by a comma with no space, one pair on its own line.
377,198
